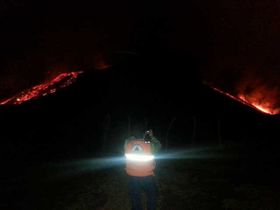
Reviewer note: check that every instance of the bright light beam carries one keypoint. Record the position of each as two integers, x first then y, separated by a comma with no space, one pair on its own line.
139,157
78,167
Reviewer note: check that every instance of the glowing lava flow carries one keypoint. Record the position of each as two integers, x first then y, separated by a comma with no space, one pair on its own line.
264,107
61,81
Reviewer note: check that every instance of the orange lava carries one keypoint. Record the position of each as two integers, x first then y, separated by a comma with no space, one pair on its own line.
46,88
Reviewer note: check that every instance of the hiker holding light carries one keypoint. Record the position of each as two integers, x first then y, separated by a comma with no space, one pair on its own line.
140,166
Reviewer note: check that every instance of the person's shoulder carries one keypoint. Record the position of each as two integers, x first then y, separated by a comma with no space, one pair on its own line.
154,138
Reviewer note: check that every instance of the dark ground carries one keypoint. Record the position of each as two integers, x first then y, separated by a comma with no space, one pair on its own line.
217,178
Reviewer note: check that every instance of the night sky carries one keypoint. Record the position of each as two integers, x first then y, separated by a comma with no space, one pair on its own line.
232,44
143,60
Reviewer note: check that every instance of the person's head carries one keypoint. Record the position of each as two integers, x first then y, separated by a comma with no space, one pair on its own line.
148,134
151,132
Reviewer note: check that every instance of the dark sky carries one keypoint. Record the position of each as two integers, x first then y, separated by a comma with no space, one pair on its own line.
232,29
233,44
